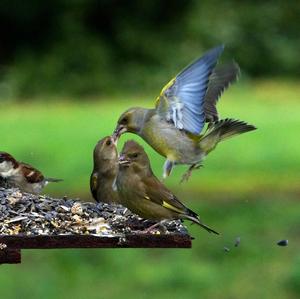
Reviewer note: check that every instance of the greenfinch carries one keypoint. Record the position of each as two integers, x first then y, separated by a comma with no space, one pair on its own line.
174,127
142,193
105,171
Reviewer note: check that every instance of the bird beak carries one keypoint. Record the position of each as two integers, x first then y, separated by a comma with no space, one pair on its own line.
118,132
113,140
123,161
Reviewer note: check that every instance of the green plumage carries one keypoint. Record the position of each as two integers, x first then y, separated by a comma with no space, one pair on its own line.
174,127
144,194
221,130
104,171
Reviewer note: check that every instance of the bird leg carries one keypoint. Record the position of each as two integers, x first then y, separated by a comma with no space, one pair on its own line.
150,229
168,166
188,173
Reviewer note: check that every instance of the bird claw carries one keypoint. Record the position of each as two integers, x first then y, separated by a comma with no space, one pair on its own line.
155,228
188,173
198,166
185,177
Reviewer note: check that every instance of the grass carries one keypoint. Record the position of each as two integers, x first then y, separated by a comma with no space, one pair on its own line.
258,268
249,188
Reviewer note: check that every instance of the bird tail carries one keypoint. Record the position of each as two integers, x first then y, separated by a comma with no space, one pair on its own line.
221,130
195,219
53,180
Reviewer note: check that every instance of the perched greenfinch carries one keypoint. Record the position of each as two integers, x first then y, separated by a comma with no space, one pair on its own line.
105,171
174,127
142,193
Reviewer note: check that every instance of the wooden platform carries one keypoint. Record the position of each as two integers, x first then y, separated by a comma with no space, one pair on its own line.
30,221
12,245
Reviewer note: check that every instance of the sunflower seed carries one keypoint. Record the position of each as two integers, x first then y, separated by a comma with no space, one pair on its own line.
43,215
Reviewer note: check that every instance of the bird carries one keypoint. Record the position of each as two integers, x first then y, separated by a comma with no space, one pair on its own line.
144,194
21,175
105,171
175,128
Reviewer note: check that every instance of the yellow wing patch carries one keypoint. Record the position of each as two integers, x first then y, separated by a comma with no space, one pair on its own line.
167,206
94,181
168,85
170,207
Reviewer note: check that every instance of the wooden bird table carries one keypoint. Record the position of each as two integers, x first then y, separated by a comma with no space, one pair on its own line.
40,222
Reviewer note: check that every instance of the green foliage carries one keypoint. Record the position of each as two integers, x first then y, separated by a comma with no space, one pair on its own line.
100,47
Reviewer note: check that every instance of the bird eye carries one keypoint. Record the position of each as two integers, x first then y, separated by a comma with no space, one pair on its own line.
108,142
124,121
135,155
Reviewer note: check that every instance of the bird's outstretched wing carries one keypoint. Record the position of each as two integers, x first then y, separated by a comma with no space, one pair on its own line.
221,77
181,101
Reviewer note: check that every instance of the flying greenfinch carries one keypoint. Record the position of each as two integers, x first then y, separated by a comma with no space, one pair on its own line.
143,194
105,171
175,128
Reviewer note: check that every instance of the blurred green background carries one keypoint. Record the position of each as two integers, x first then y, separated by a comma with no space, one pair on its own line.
69,68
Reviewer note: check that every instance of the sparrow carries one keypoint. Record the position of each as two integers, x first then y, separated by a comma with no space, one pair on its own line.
105,170
22,175
143,193
175,128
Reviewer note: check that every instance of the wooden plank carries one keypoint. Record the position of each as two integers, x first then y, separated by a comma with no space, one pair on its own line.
12,253
88,241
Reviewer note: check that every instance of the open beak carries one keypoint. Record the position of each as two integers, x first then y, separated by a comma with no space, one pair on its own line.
123,161
118,132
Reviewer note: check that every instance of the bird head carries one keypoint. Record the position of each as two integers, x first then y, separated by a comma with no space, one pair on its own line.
133,155
7,163
131,120
105,150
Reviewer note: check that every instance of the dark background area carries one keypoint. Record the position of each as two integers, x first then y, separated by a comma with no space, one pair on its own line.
88,47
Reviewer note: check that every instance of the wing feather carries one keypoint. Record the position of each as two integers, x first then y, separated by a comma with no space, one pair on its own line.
94,185
31,174
220,79
181,101
159,194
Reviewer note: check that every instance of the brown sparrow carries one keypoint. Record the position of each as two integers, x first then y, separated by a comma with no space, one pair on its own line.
22,175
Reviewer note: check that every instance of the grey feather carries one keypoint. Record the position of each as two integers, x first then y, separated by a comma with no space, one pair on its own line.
220,79
184,99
